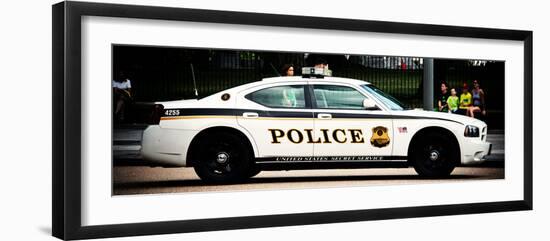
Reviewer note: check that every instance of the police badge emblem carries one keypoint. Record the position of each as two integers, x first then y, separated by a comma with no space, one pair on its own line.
380,136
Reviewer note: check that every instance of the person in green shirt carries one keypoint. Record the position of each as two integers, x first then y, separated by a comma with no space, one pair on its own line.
289,98
465,100
452,101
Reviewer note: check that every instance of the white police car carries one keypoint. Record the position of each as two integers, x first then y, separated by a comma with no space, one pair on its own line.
308,122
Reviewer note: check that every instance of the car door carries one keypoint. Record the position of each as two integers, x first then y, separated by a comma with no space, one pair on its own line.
279,121
344,129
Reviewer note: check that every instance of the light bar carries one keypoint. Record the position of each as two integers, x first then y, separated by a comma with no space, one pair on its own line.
309,72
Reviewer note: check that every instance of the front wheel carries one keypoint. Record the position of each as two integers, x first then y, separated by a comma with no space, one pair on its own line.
434,156
224,158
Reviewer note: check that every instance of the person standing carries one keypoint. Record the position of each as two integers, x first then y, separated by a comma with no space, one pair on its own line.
287,70
442,98
320,63
289,98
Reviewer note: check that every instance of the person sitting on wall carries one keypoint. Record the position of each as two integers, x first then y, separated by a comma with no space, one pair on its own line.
442,98
465,100
452,102
122,95
478,97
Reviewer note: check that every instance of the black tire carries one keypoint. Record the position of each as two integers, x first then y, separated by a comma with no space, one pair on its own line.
253,171
223,158
434,156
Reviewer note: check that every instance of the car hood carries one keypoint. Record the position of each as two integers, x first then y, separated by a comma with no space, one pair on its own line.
465,120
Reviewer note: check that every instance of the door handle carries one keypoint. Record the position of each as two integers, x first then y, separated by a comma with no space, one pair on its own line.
250,115
324,116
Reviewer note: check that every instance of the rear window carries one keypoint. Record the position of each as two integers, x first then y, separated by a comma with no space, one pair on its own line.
288,96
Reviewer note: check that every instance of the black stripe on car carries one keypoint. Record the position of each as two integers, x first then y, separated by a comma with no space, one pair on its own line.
327,158
290,114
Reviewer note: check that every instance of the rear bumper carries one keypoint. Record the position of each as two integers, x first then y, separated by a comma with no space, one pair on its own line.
475,151
166,147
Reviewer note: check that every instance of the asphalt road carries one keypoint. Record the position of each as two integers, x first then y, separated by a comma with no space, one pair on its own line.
134,179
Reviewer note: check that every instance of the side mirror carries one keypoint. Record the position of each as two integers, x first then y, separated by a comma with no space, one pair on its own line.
369,104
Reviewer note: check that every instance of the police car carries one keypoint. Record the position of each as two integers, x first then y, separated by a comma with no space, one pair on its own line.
311,121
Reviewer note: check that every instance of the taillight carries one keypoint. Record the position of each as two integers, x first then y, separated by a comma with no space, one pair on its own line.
156,114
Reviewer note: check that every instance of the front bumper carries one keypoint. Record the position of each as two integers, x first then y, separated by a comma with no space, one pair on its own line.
474,151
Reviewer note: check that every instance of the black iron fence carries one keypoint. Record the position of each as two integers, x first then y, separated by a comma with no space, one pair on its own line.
165,73
399,76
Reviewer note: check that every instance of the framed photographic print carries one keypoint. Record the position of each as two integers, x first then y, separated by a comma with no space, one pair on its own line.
169,120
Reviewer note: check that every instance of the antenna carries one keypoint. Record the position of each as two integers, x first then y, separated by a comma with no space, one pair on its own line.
194,82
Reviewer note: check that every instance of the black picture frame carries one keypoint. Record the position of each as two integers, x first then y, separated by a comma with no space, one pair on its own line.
66,127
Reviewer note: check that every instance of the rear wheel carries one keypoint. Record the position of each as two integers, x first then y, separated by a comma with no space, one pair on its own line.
434,156
223,158
253,171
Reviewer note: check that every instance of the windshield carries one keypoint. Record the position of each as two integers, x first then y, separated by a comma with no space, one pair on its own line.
388,100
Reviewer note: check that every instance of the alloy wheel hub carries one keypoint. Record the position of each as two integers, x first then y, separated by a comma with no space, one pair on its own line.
434,155
222,157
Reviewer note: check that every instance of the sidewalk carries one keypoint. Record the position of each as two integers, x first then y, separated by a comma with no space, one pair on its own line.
127,143
496,138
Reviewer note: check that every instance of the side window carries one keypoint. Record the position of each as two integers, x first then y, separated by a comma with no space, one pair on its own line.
289,96
338,97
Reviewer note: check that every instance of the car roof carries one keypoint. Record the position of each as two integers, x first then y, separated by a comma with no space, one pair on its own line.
325,79
290,79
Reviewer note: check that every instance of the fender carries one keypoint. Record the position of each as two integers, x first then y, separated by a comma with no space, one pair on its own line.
232,126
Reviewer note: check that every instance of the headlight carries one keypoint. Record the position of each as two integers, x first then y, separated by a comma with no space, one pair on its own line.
471,131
